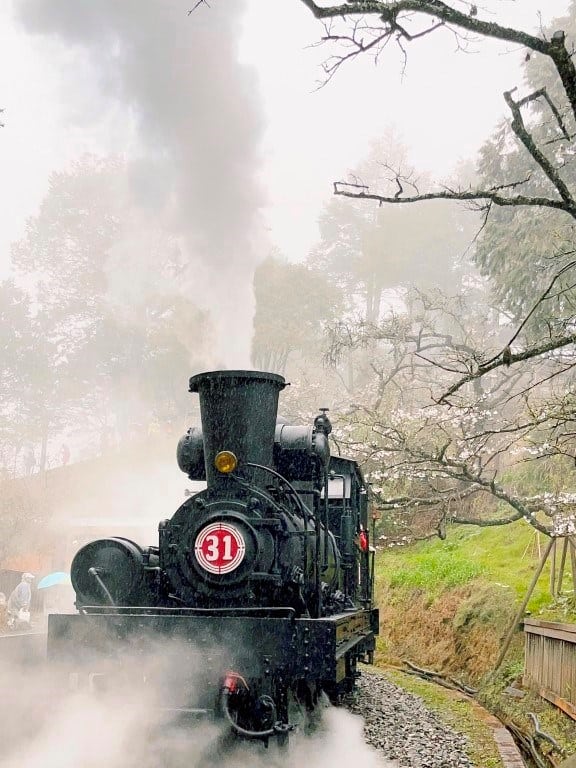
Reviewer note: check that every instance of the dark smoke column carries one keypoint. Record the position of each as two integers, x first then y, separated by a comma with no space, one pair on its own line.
198,120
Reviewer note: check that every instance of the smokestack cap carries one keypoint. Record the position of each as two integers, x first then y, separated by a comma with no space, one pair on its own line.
217,376
238,411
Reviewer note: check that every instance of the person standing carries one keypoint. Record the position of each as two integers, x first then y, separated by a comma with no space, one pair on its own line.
20,599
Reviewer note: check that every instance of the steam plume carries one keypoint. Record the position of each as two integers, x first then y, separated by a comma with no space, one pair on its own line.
50,727
198,124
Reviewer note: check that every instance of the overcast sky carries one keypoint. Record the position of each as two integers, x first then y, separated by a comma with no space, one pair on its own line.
444,106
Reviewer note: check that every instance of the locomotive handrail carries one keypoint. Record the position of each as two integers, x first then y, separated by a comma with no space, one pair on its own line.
317,573
326,517
96,576
122,610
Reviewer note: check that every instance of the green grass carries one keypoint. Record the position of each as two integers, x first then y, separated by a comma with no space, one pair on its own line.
434,568
504,555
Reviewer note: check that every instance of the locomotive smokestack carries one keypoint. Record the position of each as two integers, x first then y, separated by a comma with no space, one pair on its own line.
238,411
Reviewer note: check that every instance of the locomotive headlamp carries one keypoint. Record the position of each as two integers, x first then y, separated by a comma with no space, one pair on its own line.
225,462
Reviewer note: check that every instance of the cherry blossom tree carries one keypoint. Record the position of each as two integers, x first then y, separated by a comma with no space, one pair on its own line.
504,452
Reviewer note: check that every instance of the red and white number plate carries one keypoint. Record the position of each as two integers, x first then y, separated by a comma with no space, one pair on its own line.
220,548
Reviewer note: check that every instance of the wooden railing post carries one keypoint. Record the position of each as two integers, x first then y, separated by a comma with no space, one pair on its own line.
565,544
524,603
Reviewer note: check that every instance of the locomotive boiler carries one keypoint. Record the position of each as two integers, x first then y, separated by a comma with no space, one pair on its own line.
259,592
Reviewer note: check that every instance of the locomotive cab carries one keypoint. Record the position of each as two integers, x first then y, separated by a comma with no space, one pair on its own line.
348,503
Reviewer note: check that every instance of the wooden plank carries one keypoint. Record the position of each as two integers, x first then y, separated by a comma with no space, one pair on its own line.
553,569
550,624
553,634
558,701
565,545
573,564
523,604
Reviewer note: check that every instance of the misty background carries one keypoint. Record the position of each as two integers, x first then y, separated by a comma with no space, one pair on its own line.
168,208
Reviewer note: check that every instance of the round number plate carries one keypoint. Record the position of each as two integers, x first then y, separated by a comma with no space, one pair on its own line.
219,548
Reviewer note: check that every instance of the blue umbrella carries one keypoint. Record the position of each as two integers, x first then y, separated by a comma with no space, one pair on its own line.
58,577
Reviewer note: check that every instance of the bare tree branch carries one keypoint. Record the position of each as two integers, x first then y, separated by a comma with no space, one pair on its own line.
389,13
519,129
200,2
528,354
345,189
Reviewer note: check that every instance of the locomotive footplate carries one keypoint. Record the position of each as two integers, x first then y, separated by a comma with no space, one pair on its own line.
191,650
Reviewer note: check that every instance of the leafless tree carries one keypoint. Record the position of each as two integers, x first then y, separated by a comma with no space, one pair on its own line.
365,28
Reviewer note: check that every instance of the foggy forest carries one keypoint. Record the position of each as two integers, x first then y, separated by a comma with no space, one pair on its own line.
432,311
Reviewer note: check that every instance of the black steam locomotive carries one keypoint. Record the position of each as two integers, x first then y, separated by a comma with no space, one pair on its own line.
260,588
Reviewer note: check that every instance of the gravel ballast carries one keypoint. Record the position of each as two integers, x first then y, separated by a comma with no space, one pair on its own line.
399,725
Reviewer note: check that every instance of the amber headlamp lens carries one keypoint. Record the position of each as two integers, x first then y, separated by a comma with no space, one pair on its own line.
225,462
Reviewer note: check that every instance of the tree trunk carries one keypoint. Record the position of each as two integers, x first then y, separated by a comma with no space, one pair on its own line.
373,299
44,427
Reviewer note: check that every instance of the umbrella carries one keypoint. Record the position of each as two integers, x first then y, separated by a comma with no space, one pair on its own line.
58,577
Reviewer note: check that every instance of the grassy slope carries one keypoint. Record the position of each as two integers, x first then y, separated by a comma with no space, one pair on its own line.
462,594
448,604
504,556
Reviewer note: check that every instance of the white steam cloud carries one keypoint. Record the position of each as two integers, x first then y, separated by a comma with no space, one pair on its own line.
46,726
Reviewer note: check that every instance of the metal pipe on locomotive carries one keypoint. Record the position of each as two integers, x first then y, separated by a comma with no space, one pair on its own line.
265,575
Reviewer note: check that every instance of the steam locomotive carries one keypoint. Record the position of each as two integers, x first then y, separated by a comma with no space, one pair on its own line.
260,591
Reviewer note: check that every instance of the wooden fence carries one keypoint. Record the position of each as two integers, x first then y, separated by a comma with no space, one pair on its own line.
550,662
